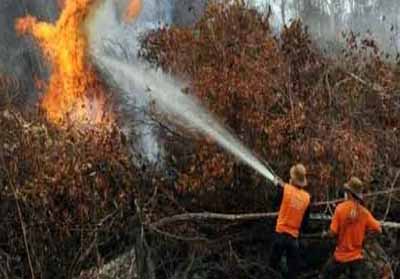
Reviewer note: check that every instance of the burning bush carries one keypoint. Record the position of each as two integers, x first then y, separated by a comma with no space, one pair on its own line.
67,190
75,93
281,96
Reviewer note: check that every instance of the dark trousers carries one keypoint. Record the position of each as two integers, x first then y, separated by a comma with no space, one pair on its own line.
351,270
285,244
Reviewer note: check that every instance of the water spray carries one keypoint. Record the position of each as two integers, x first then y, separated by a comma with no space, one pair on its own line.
135,78
166,92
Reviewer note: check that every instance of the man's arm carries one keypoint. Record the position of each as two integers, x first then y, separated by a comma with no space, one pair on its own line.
278,199
278,182
373,225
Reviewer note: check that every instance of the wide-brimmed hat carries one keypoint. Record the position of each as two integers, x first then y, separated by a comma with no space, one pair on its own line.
355,187
298,175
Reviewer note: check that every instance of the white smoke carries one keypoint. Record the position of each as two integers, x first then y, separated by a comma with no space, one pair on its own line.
378,20
109,34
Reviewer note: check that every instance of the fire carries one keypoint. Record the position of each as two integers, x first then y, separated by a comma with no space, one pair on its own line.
133,10
74,92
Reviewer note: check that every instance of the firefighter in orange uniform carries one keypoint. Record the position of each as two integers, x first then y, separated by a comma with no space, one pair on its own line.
293,216
350,222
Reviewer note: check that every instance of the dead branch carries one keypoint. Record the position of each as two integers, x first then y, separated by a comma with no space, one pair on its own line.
241,217
177,237
210,216
389,204
374,86
369,195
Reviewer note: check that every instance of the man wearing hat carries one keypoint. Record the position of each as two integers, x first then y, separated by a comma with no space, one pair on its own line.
292,218
350,222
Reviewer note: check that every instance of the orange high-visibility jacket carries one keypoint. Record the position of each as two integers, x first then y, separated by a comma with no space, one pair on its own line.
294,204
350,222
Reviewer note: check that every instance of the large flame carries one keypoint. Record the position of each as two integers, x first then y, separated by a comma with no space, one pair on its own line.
74,92
133,10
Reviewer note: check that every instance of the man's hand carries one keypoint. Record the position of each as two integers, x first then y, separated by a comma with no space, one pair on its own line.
278,182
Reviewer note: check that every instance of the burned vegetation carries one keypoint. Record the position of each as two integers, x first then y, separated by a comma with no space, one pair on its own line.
72,199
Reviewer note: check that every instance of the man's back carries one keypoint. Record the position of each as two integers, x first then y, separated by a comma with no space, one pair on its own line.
350,222
294,204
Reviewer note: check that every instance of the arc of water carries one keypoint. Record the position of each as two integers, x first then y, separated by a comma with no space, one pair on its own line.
167,93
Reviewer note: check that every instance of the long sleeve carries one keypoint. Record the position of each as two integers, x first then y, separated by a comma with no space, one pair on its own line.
278,199
373,224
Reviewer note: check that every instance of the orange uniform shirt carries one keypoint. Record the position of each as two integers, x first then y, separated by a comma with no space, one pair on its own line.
294,204
350,222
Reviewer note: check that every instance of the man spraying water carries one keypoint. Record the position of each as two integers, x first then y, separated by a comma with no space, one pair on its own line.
293,216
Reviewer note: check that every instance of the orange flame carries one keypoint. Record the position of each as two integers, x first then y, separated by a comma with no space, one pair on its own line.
133,10
74,92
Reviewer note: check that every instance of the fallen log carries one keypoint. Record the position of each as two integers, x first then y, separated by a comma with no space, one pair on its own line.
243,217
212,216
